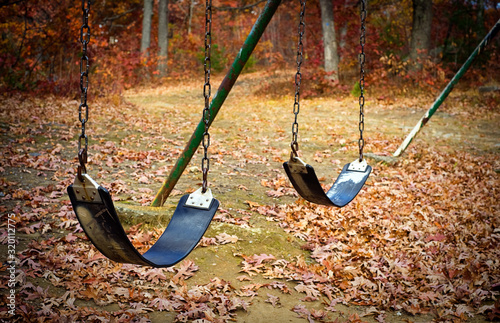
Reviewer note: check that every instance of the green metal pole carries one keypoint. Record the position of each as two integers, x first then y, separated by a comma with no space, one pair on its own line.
447,90
219,98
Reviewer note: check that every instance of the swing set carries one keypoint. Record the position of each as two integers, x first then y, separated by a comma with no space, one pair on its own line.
93,204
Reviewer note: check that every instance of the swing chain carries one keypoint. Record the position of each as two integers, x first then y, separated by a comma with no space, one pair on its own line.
83,108
362,38
298,78
207,89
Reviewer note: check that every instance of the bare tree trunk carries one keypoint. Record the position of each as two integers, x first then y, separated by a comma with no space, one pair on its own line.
190,18
146,26
421,31
163,37
343,34
480,19
329,39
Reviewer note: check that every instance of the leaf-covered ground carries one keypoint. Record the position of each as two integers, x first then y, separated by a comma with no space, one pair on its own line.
420,243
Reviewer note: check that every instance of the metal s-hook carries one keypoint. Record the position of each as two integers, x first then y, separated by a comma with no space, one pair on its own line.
82,159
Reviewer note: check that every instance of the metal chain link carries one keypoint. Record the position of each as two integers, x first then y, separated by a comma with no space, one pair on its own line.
298,78
207,89
83,108
362,38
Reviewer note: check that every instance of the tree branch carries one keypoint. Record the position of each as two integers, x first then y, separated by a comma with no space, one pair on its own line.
5,3
239,8
121,15
18,56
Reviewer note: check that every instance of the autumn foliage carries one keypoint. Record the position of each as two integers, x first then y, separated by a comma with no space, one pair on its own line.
40,49
419,243
420,239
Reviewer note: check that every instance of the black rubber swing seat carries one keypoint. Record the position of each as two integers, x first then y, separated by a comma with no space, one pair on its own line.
96,213
344,190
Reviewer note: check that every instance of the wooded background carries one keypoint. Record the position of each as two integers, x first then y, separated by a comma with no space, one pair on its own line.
410,44
419,243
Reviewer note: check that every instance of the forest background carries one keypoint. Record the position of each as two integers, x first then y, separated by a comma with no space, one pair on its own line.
410,45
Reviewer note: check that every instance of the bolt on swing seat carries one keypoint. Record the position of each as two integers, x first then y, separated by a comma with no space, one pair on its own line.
96,213
93,204
302,176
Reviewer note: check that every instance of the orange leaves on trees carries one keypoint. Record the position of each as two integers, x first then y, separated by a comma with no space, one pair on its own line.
40,49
